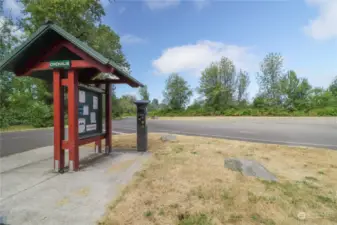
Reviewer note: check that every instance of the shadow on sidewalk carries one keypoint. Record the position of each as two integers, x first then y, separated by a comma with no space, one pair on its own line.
95,159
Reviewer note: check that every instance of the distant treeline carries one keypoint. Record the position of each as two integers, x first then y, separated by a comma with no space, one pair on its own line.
223,92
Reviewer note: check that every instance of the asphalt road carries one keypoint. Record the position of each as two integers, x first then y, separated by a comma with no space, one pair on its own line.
314,132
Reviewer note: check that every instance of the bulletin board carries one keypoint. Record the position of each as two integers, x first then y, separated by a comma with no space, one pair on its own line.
89,111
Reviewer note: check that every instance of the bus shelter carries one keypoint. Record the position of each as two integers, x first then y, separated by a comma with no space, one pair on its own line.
54,55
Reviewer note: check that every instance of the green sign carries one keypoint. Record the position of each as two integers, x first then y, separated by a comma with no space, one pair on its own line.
60,64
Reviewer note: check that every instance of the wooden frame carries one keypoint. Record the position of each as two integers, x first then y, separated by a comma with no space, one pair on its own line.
37,63
72,82
73,120
58,121
108,110
96,139
75,64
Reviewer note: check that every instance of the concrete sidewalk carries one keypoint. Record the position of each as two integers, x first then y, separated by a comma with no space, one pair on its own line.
31,193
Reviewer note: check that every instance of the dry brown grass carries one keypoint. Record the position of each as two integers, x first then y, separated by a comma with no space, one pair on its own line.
185,183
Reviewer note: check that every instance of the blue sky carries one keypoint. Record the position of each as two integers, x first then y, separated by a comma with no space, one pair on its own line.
184,36
161,37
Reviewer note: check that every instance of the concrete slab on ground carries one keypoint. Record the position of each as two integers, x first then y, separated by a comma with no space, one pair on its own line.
32,193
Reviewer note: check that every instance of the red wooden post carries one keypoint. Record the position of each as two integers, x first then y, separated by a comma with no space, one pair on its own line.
58,121
73,120
62,156
108,118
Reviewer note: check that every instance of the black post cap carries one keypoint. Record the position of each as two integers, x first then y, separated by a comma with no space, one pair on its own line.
141,102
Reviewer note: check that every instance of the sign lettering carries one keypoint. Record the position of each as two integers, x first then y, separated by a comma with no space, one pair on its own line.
65,64
81,125
91,127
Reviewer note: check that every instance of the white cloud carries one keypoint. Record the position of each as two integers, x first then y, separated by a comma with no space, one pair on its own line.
324,26
192,59
13,6
131,39
161,4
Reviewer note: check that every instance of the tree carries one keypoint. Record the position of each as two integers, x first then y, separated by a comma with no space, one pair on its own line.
116,109
107,42
259,101
154,105
217,84
163,105
81,18
20,98
295,91
144,94
76,16
209,86
177,92
7,41
333,87
242,86
127,105
320,98
196,105
155,102
270,77
9,38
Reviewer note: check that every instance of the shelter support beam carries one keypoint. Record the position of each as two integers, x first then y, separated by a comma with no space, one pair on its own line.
73,140
108,127
58,121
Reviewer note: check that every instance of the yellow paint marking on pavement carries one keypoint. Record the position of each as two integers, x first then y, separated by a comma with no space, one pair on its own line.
83,192
63,201
120,166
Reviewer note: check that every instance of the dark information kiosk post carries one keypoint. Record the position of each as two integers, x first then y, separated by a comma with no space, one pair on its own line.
141,125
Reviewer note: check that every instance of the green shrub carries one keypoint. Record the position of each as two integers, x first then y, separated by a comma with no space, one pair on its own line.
328,111
41,115
19,116
4,118
249,111
299,113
